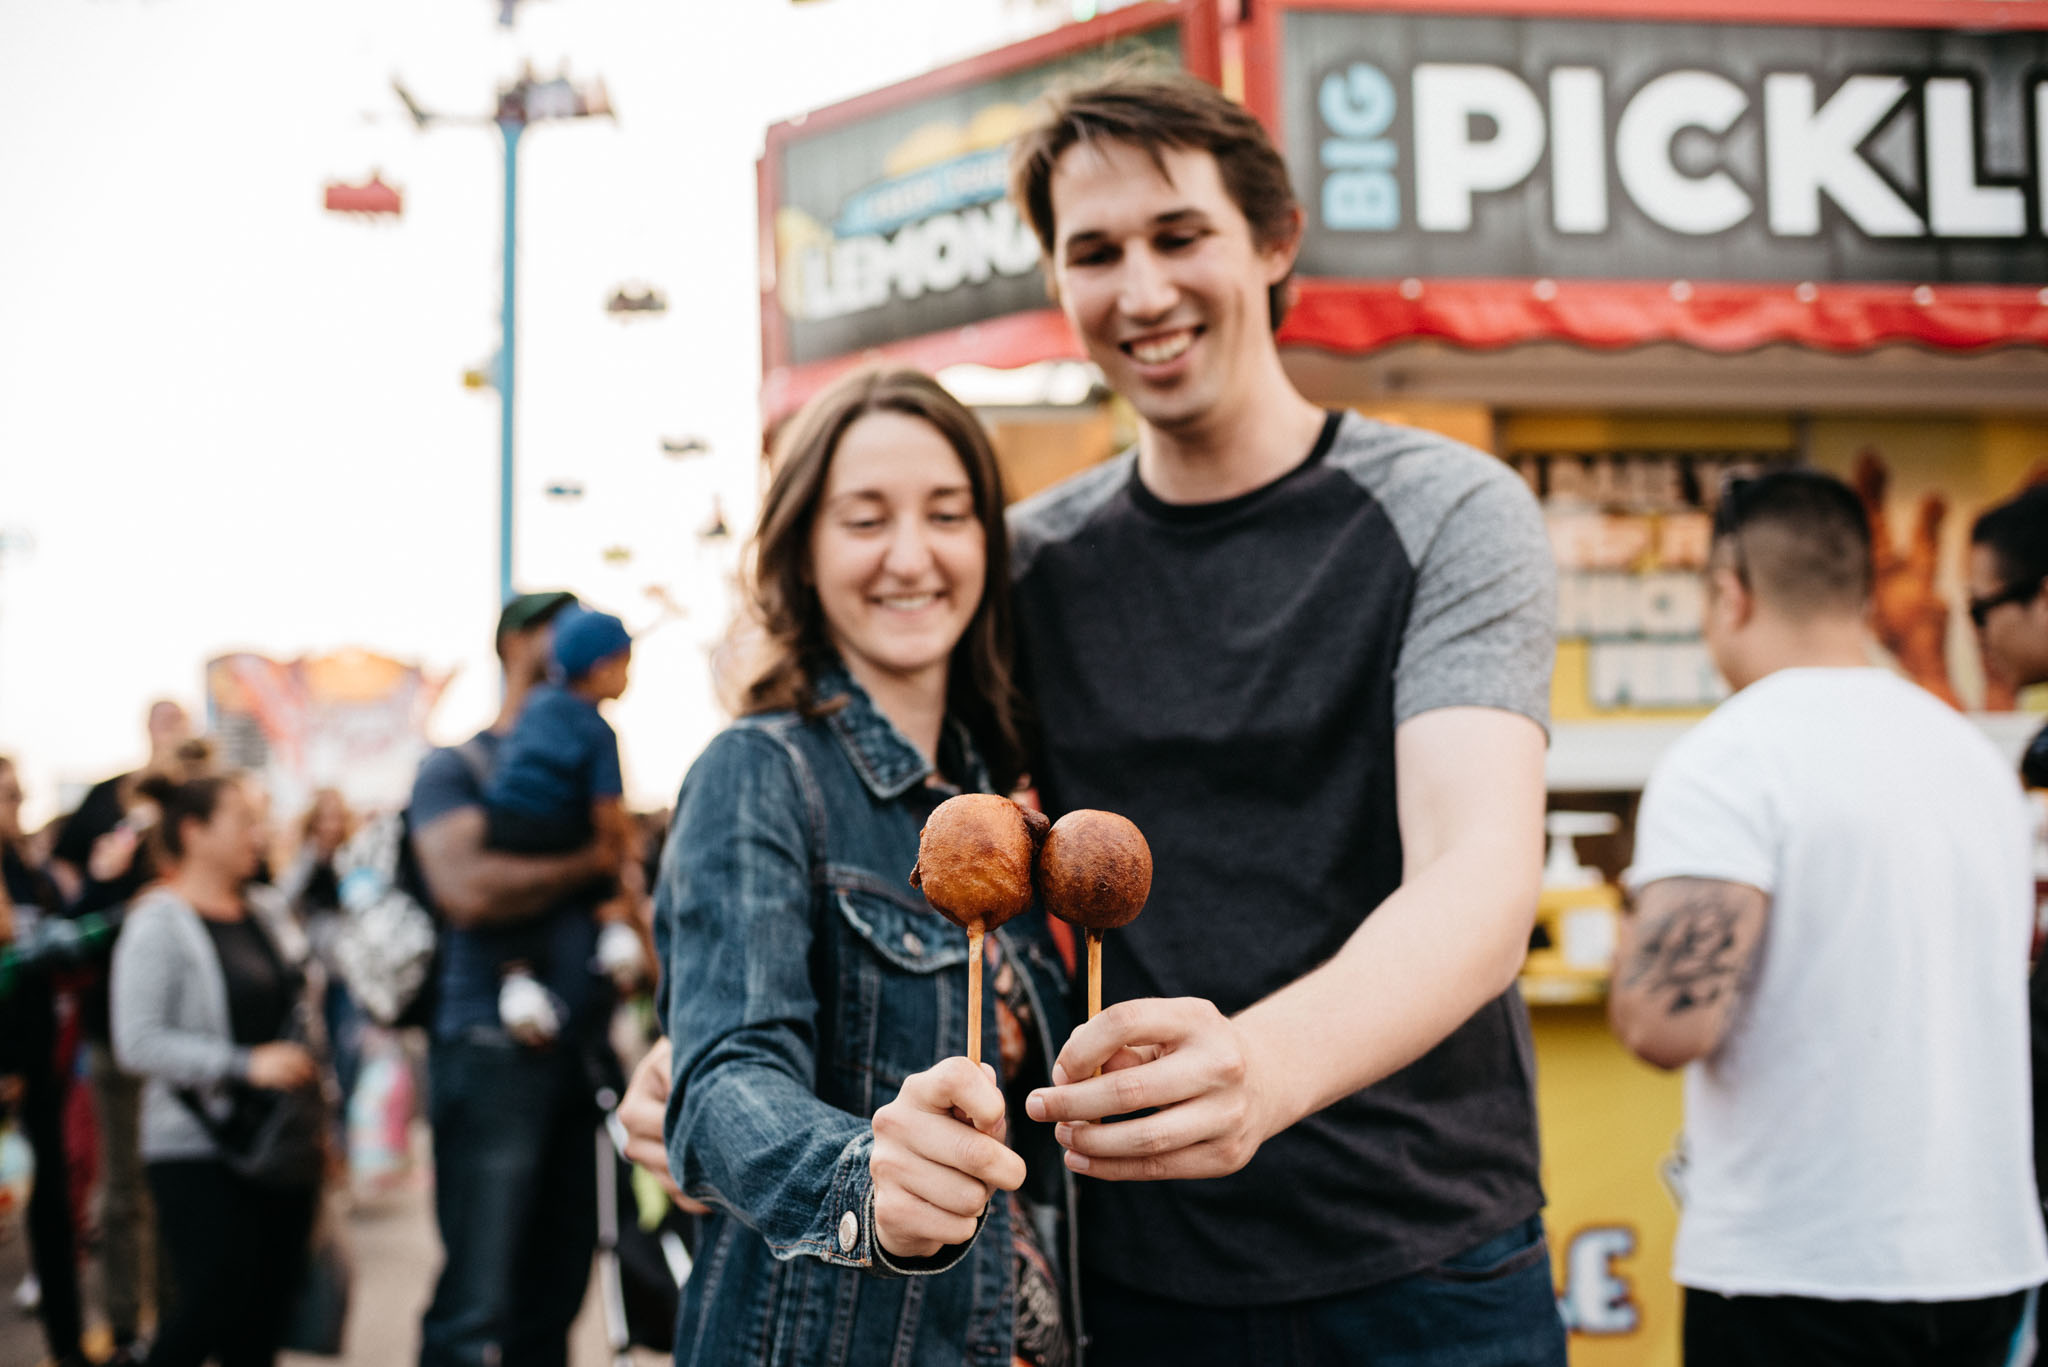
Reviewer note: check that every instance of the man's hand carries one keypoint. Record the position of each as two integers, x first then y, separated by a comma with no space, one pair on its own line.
939,1156
643,1112
281,1066
1447,942
474,885
1179,1058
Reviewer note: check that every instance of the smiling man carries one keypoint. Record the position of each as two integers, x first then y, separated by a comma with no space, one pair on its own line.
1309,654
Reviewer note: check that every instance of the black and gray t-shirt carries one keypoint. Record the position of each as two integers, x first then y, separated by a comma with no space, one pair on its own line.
1230,675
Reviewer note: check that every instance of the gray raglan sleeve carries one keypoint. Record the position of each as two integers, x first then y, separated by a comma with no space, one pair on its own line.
1482,627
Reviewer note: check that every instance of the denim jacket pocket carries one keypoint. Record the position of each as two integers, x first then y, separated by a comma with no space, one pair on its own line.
899,998
914,940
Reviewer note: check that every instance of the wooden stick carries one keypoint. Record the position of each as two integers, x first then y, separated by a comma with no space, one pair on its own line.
1094,974
974,996
1095,977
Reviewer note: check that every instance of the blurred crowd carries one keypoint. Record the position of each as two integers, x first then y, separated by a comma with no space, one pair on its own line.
197,1089
1308,655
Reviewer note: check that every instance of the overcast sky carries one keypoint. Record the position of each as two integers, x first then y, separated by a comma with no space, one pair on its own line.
230,420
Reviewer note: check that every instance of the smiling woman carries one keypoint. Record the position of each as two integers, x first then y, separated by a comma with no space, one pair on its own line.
875,541
817,1003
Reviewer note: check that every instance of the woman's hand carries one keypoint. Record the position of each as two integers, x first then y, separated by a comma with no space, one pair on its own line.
281,1066
113,854
939,1156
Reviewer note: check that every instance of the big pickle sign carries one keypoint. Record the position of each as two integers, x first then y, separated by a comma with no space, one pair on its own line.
1440,146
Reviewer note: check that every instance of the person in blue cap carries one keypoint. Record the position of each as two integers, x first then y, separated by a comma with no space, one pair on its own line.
558,784
556,788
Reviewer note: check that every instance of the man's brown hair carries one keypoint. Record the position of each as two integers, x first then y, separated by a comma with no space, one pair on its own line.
1154,111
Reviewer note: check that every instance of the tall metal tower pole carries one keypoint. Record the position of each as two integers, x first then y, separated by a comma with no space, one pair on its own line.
526,100
511,123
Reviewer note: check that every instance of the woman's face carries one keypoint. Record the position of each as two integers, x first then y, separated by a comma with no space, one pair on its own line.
897,556
231,843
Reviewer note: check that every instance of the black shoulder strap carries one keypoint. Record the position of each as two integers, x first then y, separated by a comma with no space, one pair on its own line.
215,1131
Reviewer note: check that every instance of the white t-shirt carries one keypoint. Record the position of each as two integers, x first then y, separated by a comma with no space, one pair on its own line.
1864,1130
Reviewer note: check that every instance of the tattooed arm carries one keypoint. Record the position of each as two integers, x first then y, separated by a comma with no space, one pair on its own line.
1681,965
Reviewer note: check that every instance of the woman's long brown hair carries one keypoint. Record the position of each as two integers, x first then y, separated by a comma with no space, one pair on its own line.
981,688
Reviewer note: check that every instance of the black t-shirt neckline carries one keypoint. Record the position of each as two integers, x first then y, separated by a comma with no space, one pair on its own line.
1152,505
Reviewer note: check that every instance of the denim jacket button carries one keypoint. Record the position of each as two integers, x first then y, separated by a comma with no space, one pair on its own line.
849,1232
912,943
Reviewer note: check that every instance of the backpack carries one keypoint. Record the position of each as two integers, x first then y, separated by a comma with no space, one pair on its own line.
387,946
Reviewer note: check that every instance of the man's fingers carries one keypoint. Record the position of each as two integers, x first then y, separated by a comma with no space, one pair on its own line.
1130,1056
1150,1023
1152,1136
1141,1087
1201,1160
644,1111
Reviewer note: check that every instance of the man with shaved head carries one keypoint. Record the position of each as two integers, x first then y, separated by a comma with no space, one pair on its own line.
1833,900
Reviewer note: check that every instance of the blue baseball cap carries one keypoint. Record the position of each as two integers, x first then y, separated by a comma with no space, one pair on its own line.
583,637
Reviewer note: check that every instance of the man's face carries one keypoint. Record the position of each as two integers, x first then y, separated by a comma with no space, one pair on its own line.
1160,278
2014,634
526,655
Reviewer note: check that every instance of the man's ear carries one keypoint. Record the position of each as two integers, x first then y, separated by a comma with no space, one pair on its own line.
1279,254
1730,599
1736,597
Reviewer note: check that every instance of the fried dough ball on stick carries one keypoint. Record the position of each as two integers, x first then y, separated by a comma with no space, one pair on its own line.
974,866
1095,872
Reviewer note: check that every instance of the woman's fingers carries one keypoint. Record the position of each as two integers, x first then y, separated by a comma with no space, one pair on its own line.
909,1227
938,1158
949,1189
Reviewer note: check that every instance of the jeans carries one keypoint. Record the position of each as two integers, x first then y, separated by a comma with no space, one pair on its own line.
238,1251
345,1022
515,1193
1491,1306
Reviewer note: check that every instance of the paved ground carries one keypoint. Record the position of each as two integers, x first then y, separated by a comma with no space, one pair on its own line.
396,1257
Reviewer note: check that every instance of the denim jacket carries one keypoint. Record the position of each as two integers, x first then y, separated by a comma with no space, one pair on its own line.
805,981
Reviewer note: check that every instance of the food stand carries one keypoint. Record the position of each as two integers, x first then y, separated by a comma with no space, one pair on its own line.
1629,247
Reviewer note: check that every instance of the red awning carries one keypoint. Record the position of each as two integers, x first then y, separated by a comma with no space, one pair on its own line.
1356,316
